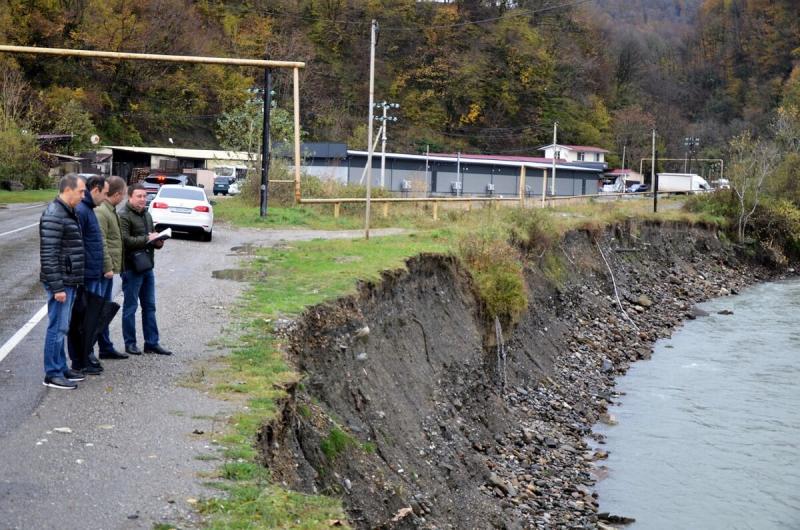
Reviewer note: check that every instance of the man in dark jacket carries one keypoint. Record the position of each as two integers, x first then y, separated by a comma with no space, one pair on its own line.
62,262
139,286
93,271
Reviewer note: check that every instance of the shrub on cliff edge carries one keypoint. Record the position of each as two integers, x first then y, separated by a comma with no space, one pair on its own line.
497,270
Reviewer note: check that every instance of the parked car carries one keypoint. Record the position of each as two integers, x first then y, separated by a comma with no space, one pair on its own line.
638,188
222,185
154,181
184,209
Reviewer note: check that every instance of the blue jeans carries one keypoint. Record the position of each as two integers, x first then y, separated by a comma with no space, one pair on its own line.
104,338
58,317
139,287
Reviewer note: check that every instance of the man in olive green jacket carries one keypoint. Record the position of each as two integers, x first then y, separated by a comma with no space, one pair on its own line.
112,255
139,286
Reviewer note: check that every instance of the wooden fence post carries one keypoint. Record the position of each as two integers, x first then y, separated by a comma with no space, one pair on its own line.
336,210
436,210
385,209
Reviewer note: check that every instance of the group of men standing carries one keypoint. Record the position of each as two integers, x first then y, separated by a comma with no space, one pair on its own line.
84,243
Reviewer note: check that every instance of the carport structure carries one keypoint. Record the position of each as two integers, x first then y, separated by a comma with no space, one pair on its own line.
267,64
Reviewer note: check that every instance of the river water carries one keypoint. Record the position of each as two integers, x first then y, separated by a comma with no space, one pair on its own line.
709,428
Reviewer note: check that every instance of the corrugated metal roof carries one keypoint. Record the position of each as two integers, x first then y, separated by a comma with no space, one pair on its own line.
204,154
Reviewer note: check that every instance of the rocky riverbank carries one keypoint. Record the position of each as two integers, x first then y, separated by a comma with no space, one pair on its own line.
420,413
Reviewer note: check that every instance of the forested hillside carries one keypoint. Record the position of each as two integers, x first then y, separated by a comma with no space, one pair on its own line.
472,75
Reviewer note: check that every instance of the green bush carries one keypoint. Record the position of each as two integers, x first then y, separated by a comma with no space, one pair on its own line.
336,442
533,229
20,157
722,203
776,223
496,268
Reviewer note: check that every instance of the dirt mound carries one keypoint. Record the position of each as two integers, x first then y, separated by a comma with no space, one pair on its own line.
421,414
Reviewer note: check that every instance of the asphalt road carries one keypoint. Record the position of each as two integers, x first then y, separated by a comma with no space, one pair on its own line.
131,456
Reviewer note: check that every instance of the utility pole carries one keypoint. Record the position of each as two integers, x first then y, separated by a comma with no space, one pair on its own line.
427,155
655,186
373,37
653,171
553,179
384,120
691,143
624,174
460,190
265,142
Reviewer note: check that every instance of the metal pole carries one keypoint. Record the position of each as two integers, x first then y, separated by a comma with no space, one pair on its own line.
369,126
152,57
383,144
623,158
374,145
427,154
653,170
544,185
624,183
553,179
655,186
265,142
297,136
459,191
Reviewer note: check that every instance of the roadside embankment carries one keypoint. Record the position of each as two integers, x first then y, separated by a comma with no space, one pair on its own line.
419,411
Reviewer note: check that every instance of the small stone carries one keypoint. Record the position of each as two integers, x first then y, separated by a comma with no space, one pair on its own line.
361,356
608,418
644,301
63,430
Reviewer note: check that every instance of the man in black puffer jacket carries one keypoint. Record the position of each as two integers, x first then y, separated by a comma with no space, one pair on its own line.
62,262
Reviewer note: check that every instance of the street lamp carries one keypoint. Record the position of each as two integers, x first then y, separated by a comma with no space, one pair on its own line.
691,143
385,119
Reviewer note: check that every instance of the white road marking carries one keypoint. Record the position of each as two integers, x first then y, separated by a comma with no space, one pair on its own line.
19,229
11,343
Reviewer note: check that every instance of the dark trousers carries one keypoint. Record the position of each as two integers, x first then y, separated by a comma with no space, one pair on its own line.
104,343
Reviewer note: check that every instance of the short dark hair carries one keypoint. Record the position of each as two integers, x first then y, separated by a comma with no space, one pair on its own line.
134,187
115,184
68,182
95,182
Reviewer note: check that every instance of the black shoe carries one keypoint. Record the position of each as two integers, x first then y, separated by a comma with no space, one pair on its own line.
157,349
94,361
133,350
74,375
113,354
92,370
59,382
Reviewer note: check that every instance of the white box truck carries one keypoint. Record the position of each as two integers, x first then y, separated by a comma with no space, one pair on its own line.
682,182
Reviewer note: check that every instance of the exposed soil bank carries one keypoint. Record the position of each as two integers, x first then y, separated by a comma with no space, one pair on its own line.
422,422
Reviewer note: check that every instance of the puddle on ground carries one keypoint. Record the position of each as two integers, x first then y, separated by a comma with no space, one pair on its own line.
239,275
246,249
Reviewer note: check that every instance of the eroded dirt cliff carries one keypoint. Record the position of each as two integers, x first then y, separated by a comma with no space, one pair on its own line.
419,413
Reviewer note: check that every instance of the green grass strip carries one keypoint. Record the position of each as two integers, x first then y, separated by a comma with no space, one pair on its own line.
17,197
